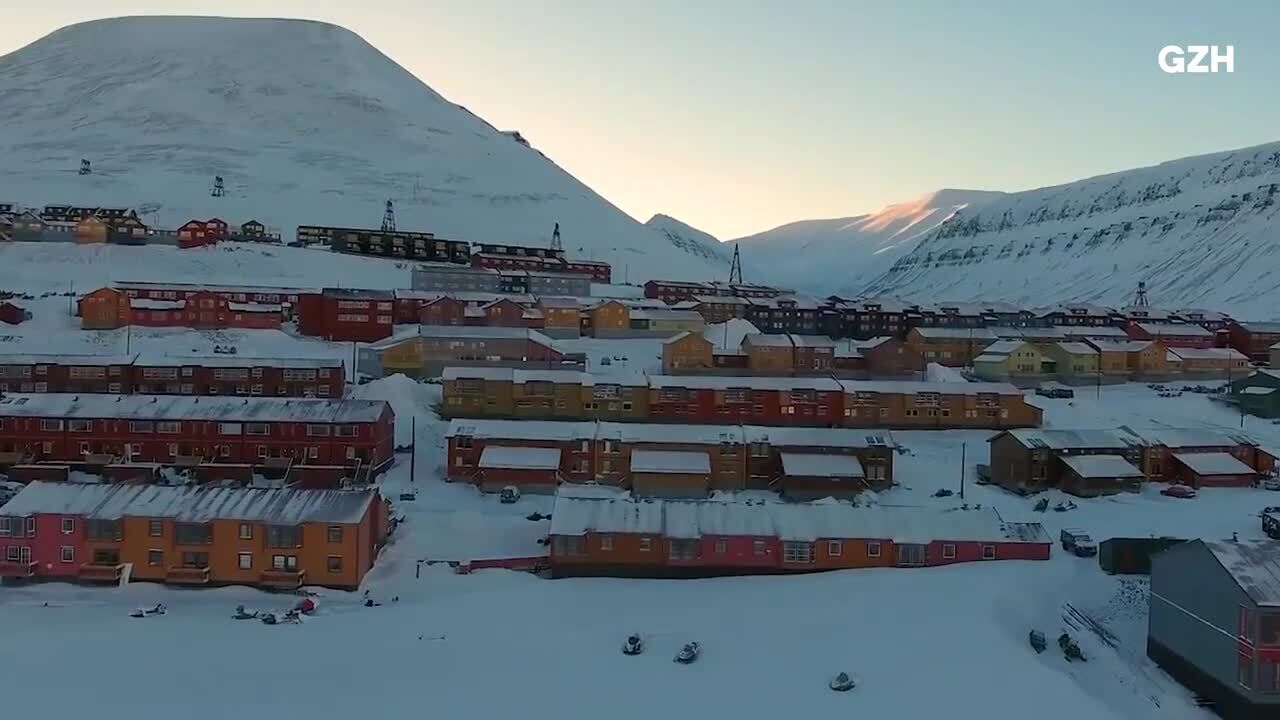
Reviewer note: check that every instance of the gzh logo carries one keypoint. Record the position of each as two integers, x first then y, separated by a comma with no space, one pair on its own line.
1176,59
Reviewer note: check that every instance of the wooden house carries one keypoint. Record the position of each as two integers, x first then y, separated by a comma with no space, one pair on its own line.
1254,339
91,230
12,314
104,309
194,234
253,230
6,228
1027,461
196,536
1258,393
444,310
561,317
1009,360
951,347
769,354
1073,360
686,351
28,227
1224,363
1172,335
670,473
347,315
610,318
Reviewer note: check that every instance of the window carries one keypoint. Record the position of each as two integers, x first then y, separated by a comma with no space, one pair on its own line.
334,563
246,531
5,527
1269,629
318,431
106,556
246,561
229,428
68,525
1244,673
797,552
168,428
288,563
103,530
988,552
255,429
196,560
645,544
68,554
335,533
192,534
758,548
284,536
155,528
834,548
51,425
722,547
606,542
79,425
347,431
873,549
682,549
948,551
155,558
562,545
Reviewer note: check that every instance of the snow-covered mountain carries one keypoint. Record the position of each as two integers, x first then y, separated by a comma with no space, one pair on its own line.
691,239
306,123
1200,231
833,254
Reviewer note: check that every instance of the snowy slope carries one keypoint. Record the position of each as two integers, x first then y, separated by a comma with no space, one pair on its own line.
1201,231
691,239
823,256
306,122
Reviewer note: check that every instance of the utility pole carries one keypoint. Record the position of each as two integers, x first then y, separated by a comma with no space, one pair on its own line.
413,450
962,461
735,270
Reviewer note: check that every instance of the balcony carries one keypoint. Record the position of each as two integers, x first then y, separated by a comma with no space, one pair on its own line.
187,575
18,569
95,572
8,459
283,579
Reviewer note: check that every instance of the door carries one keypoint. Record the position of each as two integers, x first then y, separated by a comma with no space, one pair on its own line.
910,555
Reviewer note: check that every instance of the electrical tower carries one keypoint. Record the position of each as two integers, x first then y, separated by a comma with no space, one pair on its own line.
218,189
389,218
85,167
556,245
735,270
1140,298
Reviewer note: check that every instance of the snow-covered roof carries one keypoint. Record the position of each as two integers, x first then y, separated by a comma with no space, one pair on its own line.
569,377
146,304
670,461
67,360
1260,327
1072,439
188,503
1208,353
1258,390
1215,463
956,333
795,522
1101,466
522,429
1255,566
1003,348
1117,345
560,302
813,341
225,289
942,388
1077,348
520,458
990,358
818,437
179,407
471,332
816,465
711,382
666,314
1173,329
669,433
721,300
679,336
1189,437
233,361
768,340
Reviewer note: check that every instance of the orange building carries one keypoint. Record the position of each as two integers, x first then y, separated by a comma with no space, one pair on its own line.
610,318
91,230
561,317
687,351
185,535
104,309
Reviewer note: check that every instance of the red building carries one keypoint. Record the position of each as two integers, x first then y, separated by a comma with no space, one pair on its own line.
236,375
199,233
1254,338
99,430
624,537
286,297
598,271
757,400
12,314
1174,335
442,311
673,291
347,315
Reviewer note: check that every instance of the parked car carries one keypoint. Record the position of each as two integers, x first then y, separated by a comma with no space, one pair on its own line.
1179,491
1078,543
1054,390
1271,484
509,494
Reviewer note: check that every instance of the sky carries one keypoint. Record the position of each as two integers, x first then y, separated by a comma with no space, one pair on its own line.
738,116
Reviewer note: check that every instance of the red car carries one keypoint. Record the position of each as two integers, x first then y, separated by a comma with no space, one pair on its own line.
1179,491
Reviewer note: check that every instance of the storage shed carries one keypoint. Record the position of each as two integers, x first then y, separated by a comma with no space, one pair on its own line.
811,476
529,468
1092,475
1215,469
670,473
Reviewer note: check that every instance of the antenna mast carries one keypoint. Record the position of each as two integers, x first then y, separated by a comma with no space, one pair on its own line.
735,270
1140,298
389,218
556,245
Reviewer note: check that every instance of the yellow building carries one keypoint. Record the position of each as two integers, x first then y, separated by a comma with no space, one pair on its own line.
1009,359
1071,359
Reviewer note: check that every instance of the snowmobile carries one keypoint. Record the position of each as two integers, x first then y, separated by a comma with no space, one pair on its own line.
242,614
1070,649
633,646
1042,505
269,619
159,609
1038,642
943,492
688,653
1064,506
306,606
842,683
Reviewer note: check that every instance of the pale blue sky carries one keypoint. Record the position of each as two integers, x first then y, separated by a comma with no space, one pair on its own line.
738,116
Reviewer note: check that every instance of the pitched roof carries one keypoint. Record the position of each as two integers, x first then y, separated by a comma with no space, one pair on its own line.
188,503
1255,566
180,407
1216,463
949,333
1101,466
817,465
1173,329
670,461
520,458
1064,439
1209,353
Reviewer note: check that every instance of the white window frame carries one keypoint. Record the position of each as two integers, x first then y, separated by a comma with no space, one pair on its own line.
68,525
948,551
835,548
873,549
988,555
240,561
646,544
606,542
